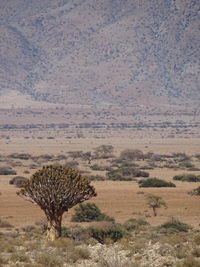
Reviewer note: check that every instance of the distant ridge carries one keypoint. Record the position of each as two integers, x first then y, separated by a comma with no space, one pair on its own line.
102,53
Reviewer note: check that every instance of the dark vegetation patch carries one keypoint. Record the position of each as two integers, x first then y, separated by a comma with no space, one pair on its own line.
187,178
89,212
155,182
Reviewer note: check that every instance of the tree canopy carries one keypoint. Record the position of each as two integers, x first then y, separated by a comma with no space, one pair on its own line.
55,189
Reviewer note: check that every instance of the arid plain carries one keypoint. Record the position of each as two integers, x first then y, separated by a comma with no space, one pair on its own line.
120,199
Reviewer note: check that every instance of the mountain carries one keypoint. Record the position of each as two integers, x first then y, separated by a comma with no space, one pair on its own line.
102,53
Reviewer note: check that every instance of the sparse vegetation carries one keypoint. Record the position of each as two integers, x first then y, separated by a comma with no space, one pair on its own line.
187,178
175,225
6,170
89,212
17,181
155,182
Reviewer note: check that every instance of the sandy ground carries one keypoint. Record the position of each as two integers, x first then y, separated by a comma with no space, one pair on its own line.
122,200
62,145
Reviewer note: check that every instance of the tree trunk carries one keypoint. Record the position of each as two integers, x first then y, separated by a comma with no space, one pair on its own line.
154,211
54,228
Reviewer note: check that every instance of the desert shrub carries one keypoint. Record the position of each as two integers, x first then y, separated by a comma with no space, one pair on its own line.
61,157
155,182
195,192
97,167
132,154
89,212
50,260
197,156
175,225
21,257
75,154
3,261
97,177
28,228
196,252
46,157
23,156
76,233
6,170
17,181
111,231
114,176
189,262
181,156
126,174
187,164
133,224
4,224
147,167
62,243
72,164
78,254
103,151
197,239
129,171
187,178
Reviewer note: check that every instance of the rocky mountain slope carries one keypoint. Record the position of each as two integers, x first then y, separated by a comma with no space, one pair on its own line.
101,53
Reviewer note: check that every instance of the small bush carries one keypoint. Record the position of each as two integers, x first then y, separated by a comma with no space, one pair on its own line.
195,192
23,156
107,231
126,174
89,212
50,260
97,178
187,164
4,224
19,257
97,167
154,182
176,226
7,171
133,224
17,181
197,239
187,178
78,254
72,164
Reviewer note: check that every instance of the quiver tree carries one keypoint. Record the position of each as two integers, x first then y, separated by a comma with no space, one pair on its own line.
55,189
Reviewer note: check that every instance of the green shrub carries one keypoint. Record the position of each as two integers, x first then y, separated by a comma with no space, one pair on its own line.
187,164
109,231
126,174
50,260
4,224
89,212
133,224
17,181
97,167
175,226
97,178
19,257
6,170
195,192
23,156
154,182
187,178
72,164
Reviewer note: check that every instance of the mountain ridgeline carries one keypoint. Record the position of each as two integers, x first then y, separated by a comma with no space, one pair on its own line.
101,52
